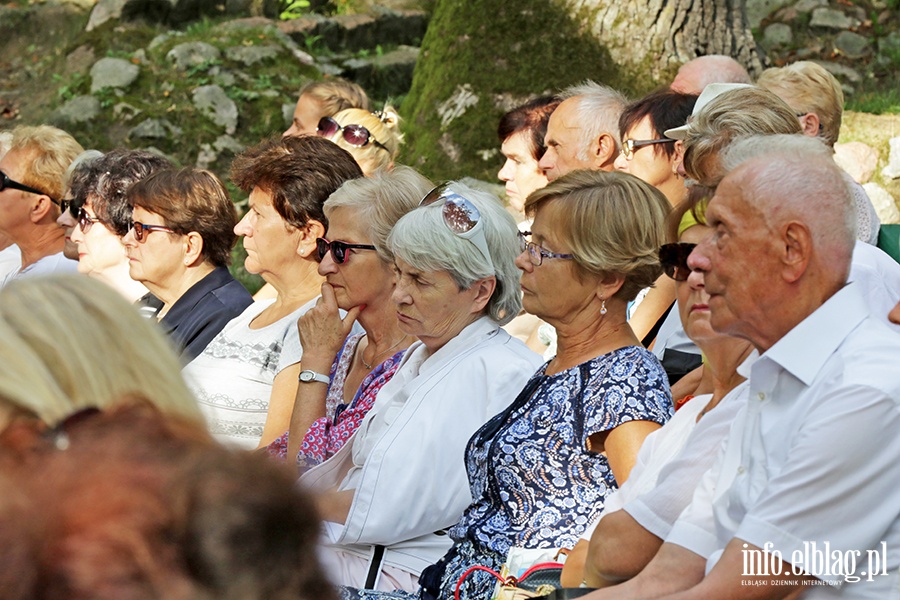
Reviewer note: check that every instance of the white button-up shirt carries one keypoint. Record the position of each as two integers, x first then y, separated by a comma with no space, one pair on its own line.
811,468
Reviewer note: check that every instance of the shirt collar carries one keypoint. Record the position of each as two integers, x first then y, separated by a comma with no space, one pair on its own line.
804,350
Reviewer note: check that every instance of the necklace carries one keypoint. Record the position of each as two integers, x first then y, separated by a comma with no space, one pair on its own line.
362,355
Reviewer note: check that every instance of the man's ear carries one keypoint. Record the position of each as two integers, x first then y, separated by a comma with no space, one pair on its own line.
40,208
306,245
797,250
678,158
809,123
604,151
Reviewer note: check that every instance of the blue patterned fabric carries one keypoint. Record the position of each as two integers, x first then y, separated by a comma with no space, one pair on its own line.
534,483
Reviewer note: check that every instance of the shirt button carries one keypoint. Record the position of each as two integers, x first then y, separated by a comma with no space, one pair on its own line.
741,470
761,395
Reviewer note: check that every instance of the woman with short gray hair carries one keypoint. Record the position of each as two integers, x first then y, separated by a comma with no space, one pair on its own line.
401,477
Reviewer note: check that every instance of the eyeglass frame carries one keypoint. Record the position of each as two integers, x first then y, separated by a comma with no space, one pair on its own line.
86,221
72,205
7,183
343,247
370,137
139,228
537,253
475,235
673,258
629,146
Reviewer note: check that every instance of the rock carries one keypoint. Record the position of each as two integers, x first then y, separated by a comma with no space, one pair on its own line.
223,77
80,59
226,142
212,102
778,34
889,45
839,70
892,170
79,109
757,10
104,10
287,114
859,160
125,112
788,13
193,54
809,5
210,153
113,73
384,76
852,45
79,4
250,55
884,203
158,129
830,18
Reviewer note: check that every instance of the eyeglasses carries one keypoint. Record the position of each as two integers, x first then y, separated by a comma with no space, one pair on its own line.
461,217
70,204
338,249
85,220
536,253
673,258
7,183
629,146
140,228
355,135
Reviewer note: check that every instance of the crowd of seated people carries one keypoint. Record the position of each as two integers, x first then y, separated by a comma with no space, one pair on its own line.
715,408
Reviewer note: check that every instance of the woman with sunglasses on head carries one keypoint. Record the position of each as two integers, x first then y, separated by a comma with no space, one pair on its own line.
350,367
247,377
400,478
179,246
373,138
672,460
540,470
99,208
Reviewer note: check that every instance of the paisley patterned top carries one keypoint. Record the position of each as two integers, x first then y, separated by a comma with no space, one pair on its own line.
328,434
534,482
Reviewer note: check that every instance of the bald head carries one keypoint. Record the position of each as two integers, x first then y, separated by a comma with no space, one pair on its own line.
696,74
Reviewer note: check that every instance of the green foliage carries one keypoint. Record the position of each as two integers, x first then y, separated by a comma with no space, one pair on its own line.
876,98
293,9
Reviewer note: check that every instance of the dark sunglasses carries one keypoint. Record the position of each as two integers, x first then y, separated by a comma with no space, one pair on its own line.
338,249
141,228
355,135
460,216
7,183
85,220
673,258
70,204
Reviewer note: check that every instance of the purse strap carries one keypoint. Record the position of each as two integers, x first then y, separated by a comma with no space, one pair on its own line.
509,581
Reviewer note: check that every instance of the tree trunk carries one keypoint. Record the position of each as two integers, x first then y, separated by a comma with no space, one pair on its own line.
481,58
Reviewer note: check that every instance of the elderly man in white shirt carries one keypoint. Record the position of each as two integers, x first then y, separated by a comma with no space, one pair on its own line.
803,499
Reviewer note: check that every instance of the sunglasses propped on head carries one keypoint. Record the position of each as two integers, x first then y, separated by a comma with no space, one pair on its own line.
355,135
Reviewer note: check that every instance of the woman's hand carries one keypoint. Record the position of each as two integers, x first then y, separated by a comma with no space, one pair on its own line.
322,331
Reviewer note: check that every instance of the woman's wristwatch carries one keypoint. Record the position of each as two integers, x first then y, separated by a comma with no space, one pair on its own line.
308,376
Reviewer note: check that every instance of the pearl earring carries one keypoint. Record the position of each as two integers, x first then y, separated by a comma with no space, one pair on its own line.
603,307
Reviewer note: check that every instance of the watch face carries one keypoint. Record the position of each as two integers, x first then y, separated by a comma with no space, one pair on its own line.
306,376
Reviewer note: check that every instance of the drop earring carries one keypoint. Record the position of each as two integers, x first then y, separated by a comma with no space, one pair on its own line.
603,307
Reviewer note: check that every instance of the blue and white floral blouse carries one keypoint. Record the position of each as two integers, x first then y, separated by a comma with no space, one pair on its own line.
533,481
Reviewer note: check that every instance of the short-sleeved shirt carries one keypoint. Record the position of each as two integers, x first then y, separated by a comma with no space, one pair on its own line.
203,310
55,264
811,460
534,481
233,377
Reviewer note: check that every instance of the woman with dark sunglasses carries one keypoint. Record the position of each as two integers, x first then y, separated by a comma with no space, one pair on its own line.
372,138
179,245
401,478
347,367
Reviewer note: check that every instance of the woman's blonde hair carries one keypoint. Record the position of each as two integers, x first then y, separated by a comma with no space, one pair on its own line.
613,223
384,127
68,342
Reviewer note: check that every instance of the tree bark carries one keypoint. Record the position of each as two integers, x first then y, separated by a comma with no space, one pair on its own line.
481,58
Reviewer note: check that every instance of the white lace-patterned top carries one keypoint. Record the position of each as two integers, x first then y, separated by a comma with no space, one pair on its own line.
232,379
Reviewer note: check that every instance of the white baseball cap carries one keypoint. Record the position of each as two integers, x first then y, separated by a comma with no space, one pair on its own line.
710,92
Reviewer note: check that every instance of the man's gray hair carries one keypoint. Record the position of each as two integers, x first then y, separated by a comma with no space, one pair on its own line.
598,112
423,240
795,177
